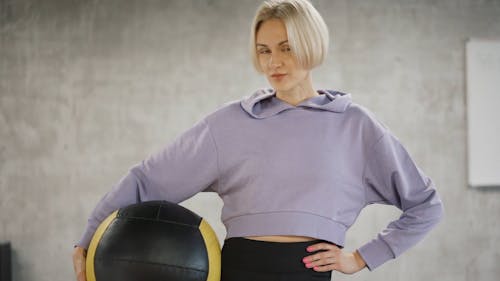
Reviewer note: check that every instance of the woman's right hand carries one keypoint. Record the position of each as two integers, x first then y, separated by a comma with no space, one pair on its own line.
79,255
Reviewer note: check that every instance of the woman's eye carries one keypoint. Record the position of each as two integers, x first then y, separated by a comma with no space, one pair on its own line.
263,51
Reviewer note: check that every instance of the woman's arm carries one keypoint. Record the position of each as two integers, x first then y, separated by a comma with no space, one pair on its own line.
392,177
185,167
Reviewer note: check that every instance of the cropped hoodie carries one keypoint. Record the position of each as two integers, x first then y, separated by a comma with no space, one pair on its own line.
281,169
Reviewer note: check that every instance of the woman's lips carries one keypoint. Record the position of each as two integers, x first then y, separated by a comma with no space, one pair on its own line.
278,76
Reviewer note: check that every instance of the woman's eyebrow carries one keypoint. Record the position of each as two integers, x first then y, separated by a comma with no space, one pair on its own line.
280,43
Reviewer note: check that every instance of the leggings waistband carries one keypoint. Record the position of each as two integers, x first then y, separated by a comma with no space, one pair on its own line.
263,256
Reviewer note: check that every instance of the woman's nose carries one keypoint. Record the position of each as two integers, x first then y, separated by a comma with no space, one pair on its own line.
275,60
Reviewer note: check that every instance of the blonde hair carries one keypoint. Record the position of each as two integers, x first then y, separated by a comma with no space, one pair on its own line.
306,30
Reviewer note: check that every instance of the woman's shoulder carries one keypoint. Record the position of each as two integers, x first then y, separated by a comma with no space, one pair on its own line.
227,108
235,107
365,119
224,113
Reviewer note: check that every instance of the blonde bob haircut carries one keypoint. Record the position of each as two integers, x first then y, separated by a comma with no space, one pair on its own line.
306,30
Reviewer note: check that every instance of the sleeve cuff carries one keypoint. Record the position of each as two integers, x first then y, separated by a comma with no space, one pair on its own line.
375,253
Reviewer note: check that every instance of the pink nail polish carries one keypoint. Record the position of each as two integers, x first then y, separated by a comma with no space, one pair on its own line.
308,265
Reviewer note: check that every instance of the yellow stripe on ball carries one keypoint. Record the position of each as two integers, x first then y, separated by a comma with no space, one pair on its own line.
90,272
213,251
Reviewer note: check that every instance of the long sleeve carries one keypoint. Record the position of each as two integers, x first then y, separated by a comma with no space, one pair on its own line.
186,166
391,177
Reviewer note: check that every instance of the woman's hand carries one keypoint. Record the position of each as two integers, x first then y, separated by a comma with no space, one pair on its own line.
332,257
79,255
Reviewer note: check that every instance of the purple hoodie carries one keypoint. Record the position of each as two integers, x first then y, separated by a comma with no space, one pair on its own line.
280,169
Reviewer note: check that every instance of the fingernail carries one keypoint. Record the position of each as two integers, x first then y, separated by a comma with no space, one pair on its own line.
308,265
309,249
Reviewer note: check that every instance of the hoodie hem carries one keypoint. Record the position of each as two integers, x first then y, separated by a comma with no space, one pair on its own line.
286,223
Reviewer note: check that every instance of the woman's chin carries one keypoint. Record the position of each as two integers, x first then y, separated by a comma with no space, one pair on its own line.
279,86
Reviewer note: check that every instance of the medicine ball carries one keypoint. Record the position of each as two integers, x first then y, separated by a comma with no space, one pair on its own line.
155,240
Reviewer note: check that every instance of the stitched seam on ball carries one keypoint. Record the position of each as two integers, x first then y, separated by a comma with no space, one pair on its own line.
150,263
155,220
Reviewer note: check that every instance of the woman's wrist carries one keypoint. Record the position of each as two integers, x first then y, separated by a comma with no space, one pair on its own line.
359,260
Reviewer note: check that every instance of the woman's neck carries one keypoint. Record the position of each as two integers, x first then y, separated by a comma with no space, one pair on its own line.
298,94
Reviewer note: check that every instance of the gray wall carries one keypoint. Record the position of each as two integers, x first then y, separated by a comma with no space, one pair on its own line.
89,88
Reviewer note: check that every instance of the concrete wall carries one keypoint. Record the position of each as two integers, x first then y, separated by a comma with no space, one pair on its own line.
89,88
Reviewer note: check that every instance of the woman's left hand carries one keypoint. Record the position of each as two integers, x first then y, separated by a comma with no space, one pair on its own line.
332,257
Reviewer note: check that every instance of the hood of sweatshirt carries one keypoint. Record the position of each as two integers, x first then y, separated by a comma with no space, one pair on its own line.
264,103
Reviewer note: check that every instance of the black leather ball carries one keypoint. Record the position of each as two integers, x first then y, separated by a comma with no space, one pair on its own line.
155,240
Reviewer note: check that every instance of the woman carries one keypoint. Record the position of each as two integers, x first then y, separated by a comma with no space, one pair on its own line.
293,165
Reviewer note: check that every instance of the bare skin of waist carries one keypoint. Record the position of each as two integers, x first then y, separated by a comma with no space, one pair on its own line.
281,238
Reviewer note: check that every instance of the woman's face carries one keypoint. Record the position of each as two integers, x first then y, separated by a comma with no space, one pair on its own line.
275,57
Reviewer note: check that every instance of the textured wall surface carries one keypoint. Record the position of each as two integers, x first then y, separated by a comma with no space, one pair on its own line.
89,88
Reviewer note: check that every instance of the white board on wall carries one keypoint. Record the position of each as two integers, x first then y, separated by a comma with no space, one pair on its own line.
483,112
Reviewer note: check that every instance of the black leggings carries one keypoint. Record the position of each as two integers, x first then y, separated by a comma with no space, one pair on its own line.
251,260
